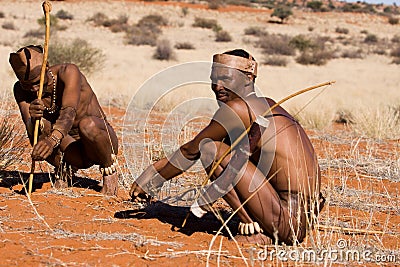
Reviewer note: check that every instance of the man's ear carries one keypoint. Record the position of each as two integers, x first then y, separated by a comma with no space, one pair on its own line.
249,80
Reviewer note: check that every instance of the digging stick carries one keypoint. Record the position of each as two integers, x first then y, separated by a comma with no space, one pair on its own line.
46,9
237,141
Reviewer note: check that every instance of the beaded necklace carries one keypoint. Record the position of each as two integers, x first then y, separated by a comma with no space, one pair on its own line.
53,107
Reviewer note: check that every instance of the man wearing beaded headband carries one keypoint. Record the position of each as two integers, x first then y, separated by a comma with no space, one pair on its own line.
73,127
276,162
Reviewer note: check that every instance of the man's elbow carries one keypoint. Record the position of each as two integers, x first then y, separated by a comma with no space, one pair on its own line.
189,152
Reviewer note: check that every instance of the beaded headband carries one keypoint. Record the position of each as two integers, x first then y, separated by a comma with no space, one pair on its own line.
236,62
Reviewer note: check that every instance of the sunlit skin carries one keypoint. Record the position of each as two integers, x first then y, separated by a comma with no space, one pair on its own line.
86,138
293,159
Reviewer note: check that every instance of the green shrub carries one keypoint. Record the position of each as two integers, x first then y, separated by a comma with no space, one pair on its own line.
371,38
301,42
164,51
206,23
315,5
283,13
223,36
79,52
184,46
62,14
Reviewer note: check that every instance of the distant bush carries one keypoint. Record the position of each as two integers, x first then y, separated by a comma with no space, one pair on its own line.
164,51
223,36
8,26
283,13
276,44
184,46
79,52
276,61
62,14
395,52
371,38
396,39
53,21
352,53
142,35
2,15
254,30
214,4
393,20
342,30
344,116
364,32
98,18
206,23
151,20
185,11
301,42
38,33
314,57
315,5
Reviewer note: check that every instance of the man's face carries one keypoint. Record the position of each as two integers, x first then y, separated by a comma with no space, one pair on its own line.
227,83
33,85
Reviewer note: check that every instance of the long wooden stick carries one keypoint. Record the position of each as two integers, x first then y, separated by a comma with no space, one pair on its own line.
236,142
46,9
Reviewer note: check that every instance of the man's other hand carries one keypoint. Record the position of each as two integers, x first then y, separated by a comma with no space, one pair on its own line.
42,149
138,194
36,109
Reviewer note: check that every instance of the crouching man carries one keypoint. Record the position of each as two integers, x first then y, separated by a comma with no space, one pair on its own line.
271,176
73,127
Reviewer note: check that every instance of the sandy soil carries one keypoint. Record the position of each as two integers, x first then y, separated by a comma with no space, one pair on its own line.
80,227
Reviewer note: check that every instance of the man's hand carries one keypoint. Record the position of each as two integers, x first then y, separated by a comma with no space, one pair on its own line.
36,109
138,194
43,149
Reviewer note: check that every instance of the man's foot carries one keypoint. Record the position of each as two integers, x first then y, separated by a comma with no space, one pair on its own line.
110,185
259,239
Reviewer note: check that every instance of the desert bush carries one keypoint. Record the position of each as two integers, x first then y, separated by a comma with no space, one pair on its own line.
254,30
53,21
276,44
344,116
142,35
184,46
164,51
11,134
2,15
151,20
38,33
364,32
396,39
65,15
342,30
214,4
206,23
371,38
185,11
396,60
395,52
393,20
223,36
301,42
8,26
380,122
310,28
98,18
315,5
352,53
314,57
276,61
79,52
283,13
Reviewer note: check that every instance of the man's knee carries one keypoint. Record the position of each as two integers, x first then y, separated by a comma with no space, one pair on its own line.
87,127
